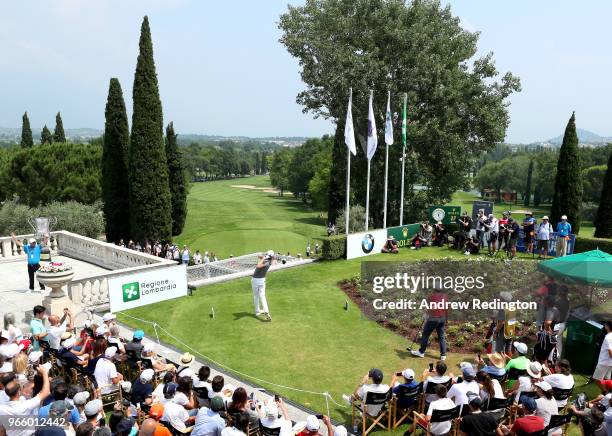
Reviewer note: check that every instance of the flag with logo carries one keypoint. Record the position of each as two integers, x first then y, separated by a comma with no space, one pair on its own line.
388,123
349,131
372,141
404,122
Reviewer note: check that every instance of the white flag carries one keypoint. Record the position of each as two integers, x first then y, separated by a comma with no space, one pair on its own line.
388,124
349,132
372,142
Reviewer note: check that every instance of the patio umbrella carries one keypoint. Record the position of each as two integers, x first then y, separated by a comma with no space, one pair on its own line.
593,268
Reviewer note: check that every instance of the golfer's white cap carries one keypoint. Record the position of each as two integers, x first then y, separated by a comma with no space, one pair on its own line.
563,217
270,253
31,241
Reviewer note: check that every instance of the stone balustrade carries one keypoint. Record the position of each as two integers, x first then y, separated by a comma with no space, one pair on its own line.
11,251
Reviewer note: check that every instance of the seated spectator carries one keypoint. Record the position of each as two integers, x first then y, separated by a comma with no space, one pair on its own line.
60,393
157,413
80,400
312,427
390,246
376,376
443,403
133,349
472,245
477,423
408,383
114,339
106,375
489,387
519,360
239,426
184,393
59,415
440,237
494,365
561,379
57,328
272,420
591,420
19,406
126,427
175,414
66,355
158,393
84,429
208,421
20,366
526,383
216,386
84,344
423,237
458,391
142,389
438,376
148,427
606,394
185,362
528,423
152,360
547,406
241,405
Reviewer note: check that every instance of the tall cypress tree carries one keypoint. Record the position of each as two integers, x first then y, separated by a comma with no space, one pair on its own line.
45,136
26,132
178,185
58,133
115,182
567,199
529,181
150,207
603,220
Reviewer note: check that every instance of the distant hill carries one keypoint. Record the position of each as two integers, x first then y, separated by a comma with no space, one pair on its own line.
584,137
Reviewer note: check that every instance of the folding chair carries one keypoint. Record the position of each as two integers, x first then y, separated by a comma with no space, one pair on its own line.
504,404
405,395
431,389
543,432
110,394
437,415
561,395
559,421
267,431
373,399
202,395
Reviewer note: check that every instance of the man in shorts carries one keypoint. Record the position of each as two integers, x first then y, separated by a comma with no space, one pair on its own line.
603,370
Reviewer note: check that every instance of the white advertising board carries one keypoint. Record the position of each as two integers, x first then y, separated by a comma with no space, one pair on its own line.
139,289
365,243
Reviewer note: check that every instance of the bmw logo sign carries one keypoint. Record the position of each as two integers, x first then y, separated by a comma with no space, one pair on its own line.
367,243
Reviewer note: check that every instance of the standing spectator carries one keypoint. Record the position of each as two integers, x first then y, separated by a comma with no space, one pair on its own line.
528,230
176,255
480,226
206,257
33,251
57,328
138,247
38,329
543,235
197,258
14,333
563,231
493,227
603,370
436,320
208,422
512,228
185,255
562,305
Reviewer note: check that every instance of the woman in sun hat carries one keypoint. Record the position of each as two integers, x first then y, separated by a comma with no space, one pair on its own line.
495,365
526,383
185,361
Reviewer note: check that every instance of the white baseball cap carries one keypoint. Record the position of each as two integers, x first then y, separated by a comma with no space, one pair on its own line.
69,343
80,398
408,373
31,241
147,375
5,334
340,431
312,423
108,316
87,323
11,350
148,347
110,352
520,347
270,253
272,410
188,372
101,331
35,356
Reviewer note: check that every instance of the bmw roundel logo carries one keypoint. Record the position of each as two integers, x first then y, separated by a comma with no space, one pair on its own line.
367,243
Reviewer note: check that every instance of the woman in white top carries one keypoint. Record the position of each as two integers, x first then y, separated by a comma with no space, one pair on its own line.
547,406
561,379
526,382
158,392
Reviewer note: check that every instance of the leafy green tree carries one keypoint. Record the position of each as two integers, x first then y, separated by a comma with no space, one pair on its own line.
318,186
546,170
455,112
567,199
279,170
150,201
54,172
178,181
528,188
115,182
45,136
592,183
58,133
603,219
302,167
26,132
257,163
264,163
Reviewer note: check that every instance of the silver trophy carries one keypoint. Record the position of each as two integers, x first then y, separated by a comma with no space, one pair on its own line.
42,225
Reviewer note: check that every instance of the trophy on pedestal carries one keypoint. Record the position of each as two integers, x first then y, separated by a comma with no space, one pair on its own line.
42,229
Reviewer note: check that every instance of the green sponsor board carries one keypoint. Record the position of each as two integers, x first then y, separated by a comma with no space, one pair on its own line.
403,234
131,291
446,214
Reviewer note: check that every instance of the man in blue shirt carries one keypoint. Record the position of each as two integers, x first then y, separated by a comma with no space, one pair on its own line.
563,231
32,250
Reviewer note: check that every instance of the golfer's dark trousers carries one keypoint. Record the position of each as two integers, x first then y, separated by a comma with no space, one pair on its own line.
32,268
432,324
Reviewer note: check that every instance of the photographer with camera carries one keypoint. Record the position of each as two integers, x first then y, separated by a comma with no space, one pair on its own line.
465,226
440,237
481,227
258,284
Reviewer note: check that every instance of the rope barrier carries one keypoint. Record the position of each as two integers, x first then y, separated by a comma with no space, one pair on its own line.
328,397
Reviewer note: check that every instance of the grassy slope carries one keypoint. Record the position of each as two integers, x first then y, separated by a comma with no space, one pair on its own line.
313,343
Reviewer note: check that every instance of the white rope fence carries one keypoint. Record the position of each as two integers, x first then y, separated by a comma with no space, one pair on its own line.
328,397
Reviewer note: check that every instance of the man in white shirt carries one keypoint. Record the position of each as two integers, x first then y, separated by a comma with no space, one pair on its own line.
208,421
443,403
377,386
17,406
174,413
272,420
438,376
57,327
458,391
603,370
561,379
543,236
106,374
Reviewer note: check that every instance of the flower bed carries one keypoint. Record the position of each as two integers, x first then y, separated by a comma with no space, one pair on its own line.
55,267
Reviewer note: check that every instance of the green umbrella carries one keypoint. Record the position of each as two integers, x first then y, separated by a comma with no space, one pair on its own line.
589,268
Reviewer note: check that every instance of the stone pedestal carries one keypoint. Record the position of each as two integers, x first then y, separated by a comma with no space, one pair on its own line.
57,300
57,305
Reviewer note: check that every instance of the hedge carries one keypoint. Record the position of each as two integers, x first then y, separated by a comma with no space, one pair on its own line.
588,244
334,247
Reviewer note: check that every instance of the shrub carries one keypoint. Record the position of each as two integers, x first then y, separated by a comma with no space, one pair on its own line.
452,330
334,247
477,347
460,341
394,323
468,327
588,244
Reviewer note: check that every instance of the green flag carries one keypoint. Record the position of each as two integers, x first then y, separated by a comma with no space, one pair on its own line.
404,121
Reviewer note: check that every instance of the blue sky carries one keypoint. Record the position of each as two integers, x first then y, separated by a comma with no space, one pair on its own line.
222,71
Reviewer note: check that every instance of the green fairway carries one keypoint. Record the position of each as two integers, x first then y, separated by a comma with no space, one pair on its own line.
230,220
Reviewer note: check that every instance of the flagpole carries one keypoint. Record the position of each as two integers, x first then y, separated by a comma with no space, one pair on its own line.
386,183
367,211
404,127
348,189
